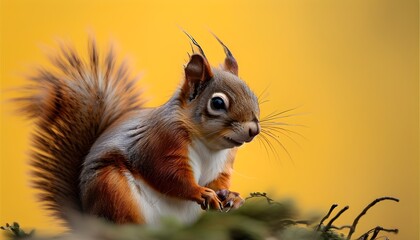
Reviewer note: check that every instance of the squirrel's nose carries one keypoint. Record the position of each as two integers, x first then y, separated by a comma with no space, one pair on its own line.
253,130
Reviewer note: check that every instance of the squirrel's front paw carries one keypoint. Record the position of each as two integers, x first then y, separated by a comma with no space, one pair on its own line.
209,199
230,200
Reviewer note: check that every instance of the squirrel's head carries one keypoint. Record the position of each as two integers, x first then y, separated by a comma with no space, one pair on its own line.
224,111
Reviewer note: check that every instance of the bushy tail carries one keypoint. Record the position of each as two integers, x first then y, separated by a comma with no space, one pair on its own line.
72,103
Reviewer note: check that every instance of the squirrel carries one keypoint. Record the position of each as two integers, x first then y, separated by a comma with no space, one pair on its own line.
98,151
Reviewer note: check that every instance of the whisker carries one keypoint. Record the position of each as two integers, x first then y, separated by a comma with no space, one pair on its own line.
263,95
263,143
281,124
279,129
286,135
282,116
278,141
262,102
275,113
269,144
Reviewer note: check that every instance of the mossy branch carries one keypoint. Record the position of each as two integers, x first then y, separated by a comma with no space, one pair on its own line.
267,219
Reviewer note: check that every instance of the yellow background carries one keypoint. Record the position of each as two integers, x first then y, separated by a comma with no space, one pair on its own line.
351,66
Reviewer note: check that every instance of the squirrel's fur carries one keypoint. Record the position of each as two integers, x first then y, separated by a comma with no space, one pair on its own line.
97,150
71,106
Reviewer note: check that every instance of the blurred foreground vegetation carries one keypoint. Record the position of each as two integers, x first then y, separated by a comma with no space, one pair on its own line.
259,218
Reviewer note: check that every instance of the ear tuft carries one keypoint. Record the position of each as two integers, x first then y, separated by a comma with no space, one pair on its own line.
230,62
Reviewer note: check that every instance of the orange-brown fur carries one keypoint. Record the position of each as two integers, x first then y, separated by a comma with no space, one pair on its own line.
95,144
109,195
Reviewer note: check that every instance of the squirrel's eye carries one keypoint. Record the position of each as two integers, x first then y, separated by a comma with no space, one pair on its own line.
218,104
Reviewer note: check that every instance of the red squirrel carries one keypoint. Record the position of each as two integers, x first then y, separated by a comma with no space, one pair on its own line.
98,151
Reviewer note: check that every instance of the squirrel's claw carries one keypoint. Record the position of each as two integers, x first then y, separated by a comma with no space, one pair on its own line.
211,200
230,200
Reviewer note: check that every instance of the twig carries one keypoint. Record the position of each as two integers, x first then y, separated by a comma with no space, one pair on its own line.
340,228
16,231
326,217
376,231
328,226
263,195
356,220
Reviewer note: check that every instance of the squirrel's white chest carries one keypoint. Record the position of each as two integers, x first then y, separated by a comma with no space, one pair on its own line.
206,164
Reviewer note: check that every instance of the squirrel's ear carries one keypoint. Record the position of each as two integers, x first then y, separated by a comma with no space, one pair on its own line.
231,65
197,72
230,62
